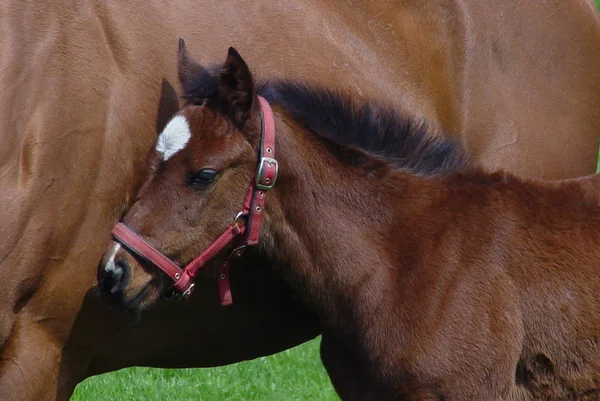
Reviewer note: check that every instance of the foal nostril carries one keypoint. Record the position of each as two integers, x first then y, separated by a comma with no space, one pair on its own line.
121,266
115,276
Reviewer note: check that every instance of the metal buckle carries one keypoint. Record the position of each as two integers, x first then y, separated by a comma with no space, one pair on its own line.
176,295
261,171
188,292
237,252
238,216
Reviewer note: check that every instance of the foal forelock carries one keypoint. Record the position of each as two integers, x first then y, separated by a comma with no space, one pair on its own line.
174,137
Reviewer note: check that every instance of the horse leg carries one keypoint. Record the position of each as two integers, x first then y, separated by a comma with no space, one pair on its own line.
26,374
348,376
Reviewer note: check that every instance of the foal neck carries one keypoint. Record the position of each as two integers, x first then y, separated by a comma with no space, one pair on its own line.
328,222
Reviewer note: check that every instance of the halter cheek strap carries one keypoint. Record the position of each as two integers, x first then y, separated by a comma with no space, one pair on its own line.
248,234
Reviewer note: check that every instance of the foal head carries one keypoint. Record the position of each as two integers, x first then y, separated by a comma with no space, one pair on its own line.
199,173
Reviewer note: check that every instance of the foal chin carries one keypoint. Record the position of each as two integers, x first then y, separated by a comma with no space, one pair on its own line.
127,284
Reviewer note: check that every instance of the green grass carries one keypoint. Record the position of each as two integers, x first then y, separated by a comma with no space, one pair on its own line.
292,375
598,168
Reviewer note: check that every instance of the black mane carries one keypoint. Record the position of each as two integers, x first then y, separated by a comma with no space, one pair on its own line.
377,130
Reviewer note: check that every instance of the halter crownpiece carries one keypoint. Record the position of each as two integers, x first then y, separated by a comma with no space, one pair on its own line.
248,234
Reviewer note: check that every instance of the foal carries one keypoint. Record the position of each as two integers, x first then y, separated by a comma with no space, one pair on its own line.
430,286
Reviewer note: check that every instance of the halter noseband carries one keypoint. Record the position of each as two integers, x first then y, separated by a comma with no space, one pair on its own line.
247,234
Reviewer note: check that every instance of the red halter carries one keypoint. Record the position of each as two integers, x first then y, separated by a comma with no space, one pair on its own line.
252,209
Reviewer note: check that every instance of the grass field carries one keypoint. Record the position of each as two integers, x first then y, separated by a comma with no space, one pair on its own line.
293,375
598,168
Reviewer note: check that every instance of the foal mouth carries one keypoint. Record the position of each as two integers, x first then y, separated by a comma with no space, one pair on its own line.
133,303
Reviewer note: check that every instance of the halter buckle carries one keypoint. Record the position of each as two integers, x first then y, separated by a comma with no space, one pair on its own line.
268,169
176,295
239,216
186,294
237,252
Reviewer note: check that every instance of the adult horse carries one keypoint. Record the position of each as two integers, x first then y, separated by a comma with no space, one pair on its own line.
85,88
432,282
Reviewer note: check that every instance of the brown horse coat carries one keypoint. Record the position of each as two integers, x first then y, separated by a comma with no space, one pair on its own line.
85,88
433,281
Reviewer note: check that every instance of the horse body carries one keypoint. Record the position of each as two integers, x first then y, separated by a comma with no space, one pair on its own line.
433,280
86,86
463,288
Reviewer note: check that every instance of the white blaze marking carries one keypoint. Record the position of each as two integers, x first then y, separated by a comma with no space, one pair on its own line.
110,264
174,137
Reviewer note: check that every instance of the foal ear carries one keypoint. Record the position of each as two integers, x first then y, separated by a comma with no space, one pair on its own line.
236,87
187,68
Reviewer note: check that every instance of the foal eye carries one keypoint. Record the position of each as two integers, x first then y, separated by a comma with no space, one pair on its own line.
202,178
